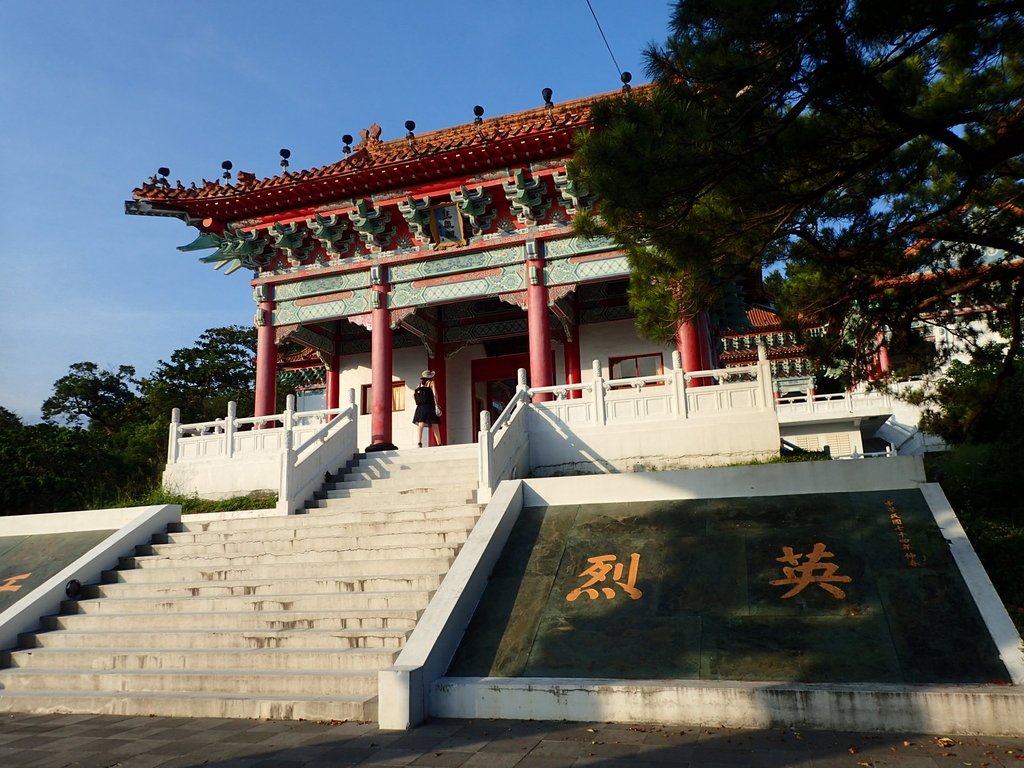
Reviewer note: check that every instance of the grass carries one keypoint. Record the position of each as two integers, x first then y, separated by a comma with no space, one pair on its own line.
193,504
983,483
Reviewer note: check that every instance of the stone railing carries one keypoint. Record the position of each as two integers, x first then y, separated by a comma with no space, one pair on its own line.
503,444
808,406
611,420
286,453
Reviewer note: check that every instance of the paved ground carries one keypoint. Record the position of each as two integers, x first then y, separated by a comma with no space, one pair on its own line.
92,741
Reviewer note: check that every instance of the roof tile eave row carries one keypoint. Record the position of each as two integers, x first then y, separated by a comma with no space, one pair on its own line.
374,154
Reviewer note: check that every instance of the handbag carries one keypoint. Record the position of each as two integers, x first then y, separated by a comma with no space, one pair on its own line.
437,410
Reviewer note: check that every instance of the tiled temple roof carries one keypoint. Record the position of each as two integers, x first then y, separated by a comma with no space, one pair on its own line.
375,165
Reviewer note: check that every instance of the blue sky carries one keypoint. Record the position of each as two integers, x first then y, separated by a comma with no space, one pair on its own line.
94,97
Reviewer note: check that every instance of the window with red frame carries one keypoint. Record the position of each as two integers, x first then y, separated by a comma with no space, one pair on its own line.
397,397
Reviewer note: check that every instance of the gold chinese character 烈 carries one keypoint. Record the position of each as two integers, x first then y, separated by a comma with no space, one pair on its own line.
812,571
599,569
9,584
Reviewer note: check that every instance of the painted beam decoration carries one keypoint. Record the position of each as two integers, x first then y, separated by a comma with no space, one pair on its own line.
444,216
458,287
333,233
475,206
372,224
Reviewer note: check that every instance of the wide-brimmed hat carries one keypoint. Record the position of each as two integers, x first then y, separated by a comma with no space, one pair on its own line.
427,375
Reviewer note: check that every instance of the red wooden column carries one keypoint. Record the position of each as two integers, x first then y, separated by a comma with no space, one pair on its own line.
333,394
883,357
688,344
538,320
380,359
571,350
266,353
439,366
693,343
573,368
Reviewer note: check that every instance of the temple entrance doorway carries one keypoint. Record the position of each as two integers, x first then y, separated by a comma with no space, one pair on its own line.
494,383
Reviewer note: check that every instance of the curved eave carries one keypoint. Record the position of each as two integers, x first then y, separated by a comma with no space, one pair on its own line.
309,189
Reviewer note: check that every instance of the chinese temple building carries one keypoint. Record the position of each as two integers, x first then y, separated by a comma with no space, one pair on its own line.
452,251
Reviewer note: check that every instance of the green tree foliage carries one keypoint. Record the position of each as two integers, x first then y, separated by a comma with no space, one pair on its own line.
100,399
973,404
871,151
50,468
201,379
104,438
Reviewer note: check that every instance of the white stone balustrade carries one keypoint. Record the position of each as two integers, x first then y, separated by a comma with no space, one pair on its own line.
286,454
633,423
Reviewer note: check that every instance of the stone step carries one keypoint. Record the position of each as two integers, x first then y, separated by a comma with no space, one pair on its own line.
435,479
261,615
305,545
344,555
383,498
323,531
355,569
351,666
267,587
336,516
247,621
335,602
385,471
248,681
206,638
461,451
193,704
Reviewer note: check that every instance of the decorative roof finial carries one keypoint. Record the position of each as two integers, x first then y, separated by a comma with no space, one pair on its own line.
226,165
285,154
347,141
625,77
410,126
478,114
546,94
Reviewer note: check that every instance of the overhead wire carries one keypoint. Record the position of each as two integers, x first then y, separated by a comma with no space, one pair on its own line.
603,37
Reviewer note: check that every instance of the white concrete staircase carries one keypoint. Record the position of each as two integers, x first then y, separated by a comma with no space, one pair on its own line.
280,617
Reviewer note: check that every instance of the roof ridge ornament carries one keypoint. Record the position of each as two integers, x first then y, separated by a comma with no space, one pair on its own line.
369,139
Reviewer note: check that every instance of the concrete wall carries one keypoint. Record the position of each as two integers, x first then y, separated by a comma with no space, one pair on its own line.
869,707
224,478
637,447
842,438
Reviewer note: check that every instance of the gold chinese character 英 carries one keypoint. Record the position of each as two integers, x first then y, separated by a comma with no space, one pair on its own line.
9,584
812,571
597,572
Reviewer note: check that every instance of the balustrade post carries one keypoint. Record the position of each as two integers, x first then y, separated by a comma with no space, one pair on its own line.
172,436
764,376
229,429
600,415
486,441
287,465
678,385
289,413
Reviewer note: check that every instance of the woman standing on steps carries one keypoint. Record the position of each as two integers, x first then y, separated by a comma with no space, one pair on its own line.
428,413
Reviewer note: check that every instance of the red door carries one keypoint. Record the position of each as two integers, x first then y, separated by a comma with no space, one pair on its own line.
494,384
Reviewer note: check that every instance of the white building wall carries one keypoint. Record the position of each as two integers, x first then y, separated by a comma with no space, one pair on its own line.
407,365
616,338
842,438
